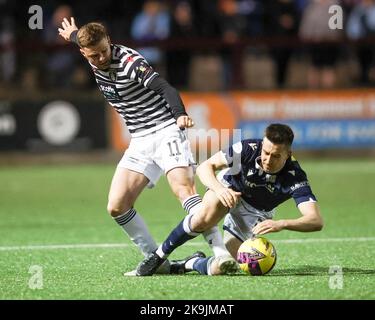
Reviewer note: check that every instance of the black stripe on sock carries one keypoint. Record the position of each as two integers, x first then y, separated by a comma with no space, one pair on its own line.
124,219
191,203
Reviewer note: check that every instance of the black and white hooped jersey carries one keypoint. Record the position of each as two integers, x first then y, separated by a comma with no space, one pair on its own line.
125,86
262,190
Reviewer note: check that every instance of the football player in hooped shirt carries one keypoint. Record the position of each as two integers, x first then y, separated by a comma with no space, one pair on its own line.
256,176
156,118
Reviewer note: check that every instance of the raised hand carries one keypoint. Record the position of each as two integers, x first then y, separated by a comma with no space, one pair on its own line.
67,28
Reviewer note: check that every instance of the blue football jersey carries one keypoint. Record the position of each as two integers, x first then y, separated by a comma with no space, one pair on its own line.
262,190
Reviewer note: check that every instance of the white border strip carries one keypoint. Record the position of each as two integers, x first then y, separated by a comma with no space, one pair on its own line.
126,245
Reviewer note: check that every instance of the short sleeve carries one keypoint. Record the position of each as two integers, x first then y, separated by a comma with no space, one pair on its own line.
301,190
144,73
136,68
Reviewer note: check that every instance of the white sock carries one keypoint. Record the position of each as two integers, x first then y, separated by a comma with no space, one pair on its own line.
212,236
160,253
215,240
135,227
190,263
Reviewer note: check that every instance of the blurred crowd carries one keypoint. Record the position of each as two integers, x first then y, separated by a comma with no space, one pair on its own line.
36,59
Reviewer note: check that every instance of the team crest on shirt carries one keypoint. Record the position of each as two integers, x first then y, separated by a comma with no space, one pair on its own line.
253,146
250,172
143,70
113,75
270,178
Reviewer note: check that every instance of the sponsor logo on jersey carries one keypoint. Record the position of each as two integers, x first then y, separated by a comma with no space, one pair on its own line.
269,186
109,91
299,185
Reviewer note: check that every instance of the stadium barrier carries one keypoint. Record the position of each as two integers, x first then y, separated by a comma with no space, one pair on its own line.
320,119
39,125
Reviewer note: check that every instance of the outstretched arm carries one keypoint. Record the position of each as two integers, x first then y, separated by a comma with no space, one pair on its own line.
67,29
311,220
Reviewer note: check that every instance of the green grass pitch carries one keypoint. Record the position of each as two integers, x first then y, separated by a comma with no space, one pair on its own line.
54,217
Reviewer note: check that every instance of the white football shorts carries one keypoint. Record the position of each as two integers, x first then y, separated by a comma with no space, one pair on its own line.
157,153
240,220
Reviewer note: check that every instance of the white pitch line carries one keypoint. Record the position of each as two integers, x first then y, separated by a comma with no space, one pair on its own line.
125,245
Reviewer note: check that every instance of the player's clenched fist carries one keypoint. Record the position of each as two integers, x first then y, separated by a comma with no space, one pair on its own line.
185,122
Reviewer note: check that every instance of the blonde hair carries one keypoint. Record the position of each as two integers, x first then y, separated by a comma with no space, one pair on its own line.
91,34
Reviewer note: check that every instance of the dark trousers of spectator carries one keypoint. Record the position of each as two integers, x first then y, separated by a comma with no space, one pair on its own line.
178,68
281,57
365,58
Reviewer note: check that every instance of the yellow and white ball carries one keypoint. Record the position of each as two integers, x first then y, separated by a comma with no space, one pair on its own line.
256,256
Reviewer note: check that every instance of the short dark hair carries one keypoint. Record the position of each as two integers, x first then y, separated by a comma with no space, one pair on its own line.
279,134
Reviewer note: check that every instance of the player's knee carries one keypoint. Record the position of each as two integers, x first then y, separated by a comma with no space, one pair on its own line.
319,225
183,192
116,209
202,223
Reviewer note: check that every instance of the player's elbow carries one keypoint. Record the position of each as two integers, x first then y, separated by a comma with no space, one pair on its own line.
318,224
202,168
199,170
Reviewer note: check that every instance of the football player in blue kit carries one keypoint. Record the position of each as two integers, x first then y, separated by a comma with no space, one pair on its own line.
255,177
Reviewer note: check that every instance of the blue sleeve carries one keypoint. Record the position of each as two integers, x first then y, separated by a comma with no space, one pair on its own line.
301,190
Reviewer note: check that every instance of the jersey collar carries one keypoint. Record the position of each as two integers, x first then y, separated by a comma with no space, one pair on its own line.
259,167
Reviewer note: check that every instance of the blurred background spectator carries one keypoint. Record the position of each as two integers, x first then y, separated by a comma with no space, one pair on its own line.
152,23
59,66
361,25
232,26
324,50
7,40
7,58
183,27
282,20
236,44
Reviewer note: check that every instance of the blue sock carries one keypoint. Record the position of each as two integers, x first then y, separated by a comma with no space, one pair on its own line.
201,265
178,236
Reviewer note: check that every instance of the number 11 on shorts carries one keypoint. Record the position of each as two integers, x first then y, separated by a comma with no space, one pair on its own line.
174,145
